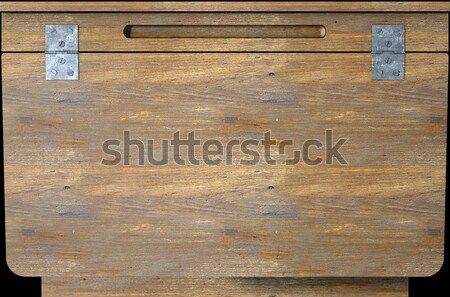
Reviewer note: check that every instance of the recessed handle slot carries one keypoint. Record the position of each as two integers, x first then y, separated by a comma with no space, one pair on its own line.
224,31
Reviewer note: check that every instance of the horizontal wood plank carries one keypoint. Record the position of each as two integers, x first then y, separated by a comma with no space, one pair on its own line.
226,287
382,214
104,32
267,6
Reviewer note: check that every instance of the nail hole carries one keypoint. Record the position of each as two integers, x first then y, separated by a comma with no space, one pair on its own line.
66,187
270,187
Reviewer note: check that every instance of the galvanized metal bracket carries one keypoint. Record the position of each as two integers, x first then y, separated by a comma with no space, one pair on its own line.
61,52
388,52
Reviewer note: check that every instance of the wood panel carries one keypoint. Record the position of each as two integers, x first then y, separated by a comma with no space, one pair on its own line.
227,287
380,215
425,32
268,6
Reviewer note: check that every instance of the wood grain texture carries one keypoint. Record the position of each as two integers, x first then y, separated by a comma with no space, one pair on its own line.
69,215
268,6
425,32
226,287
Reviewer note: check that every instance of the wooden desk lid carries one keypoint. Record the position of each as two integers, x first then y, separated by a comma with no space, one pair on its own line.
382,214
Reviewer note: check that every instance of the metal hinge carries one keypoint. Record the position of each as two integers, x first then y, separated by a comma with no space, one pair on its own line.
388,52
61,52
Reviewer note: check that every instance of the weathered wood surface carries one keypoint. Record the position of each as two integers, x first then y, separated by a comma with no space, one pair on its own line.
381,215
425,32
268,6
226,287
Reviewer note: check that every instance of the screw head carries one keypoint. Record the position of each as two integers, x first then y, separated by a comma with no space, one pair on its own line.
396,73
61,61
53,31
379,31
388,61
70,72
54,72
388,43
61,43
